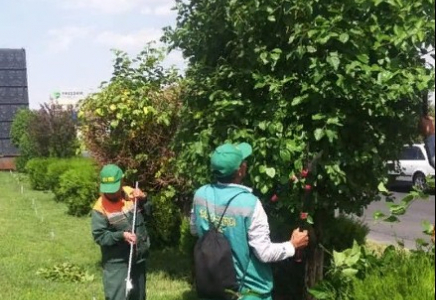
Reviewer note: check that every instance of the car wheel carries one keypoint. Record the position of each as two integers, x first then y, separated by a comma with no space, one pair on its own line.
419,181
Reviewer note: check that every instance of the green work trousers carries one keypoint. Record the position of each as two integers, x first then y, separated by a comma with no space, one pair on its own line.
114,281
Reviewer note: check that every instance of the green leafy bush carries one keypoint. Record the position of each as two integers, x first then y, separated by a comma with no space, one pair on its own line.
37,171
78,188
20,137
59,166
133,119
164,225
55,171
187,240
341,234
20,124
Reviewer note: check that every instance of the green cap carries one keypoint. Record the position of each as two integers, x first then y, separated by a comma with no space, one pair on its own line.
227,159
110,179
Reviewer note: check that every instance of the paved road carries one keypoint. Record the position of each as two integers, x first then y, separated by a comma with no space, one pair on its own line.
409,229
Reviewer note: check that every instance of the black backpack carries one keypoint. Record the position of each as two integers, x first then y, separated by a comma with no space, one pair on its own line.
215,273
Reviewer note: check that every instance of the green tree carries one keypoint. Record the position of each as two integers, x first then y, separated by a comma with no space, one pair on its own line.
132,120
20,137
297,77
46,132
20,125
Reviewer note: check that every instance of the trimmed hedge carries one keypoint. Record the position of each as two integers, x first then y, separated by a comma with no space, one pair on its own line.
73,181
36,168
78,188
61,166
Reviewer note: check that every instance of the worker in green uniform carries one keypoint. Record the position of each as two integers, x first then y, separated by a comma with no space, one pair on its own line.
112,220
245,223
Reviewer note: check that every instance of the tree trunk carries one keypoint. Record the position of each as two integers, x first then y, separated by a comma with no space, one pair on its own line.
315,254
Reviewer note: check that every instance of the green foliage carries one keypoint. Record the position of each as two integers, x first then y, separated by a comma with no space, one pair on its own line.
345,266
20,124
164,225
187,240
66,272
20,137
297,77
404,276
21,160
59,166
340,234
400,209
43,133
132,121
37,171
53,133
78,188
55,171
356,274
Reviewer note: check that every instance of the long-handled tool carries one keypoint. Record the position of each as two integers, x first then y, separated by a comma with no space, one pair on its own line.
129,284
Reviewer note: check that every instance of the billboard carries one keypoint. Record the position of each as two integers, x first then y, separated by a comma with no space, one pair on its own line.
13,94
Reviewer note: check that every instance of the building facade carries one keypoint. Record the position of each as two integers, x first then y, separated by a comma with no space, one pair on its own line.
13,94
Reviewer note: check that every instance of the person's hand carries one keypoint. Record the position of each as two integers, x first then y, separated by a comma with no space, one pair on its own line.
138,194
300,239
129,237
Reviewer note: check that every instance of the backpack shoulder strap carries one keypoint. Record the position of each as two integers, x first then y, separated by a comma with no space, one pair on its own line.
227,206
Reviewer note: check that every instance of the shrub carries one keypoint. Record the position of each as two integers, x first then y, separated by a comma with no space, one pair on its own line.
58,167
55,171
53,133
78,187
20,138
405,277
164,225
133,119
20,125
187,240
341,234
37,171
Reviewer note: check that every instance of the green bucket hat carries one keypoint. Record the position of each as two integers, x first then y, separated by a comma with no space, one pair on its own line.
227,159
110,179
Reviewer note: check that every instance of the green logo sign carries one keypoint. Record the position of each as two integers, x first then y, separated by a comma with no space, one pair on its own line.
56,95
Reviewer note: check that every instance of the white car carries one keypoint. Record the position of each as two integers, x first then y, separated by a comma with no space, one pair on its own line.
413,166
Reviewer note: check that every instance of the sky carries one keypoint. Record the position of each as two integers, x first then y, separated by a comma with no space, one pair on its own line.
68,42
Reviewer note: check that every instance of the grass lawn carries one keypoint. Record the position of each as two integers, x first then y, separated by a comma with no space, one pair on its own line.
37,233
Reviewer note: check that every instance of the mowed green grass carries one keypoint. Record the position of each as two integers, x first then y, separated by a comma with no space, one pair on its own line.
36,232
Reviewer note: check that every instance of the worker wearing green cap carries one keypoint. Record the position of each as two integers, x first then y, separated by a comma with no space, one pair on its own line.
245,224
112,219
